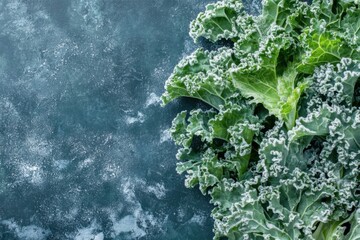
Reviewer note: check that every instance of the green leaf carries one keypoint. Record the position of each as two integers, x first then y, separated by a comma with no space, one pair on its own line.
332,35
201,160
229,115
323,48
278,93
202,76
204,171
219,21
178,129
354,233
336,230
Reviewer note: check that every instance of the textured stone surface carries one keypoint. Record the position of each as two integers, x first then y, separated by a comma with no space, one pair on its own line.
84,151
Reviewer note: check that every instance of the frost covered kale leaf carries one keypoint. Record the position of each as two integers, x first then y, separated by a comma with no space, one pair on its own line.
278,150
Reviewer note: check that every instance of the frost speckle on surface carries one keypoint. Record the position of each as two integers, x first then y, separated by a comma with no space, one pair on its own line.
127,224
89,233
199,219
152,99
158,190
61,164
30,232
165,135
31,173
80,117
38,146
138,118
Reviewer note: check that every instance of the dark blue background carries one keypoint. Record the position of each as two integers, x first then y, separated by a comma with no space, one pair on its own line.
84,152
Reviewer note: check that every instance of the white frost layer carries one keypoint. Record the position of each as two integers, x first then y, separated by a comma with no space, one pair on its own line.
199,219
90,233
38,146
152,99
158,190
139,220
30,232
32,173
139,118
165,136
128,224
61,164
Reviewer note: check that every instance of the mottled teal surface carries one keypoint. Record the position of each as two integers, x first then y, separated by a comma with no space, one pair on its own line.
84,151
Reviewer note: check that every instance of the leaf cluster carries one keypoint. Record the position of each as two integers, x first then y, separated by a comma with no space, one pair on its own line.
278,150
